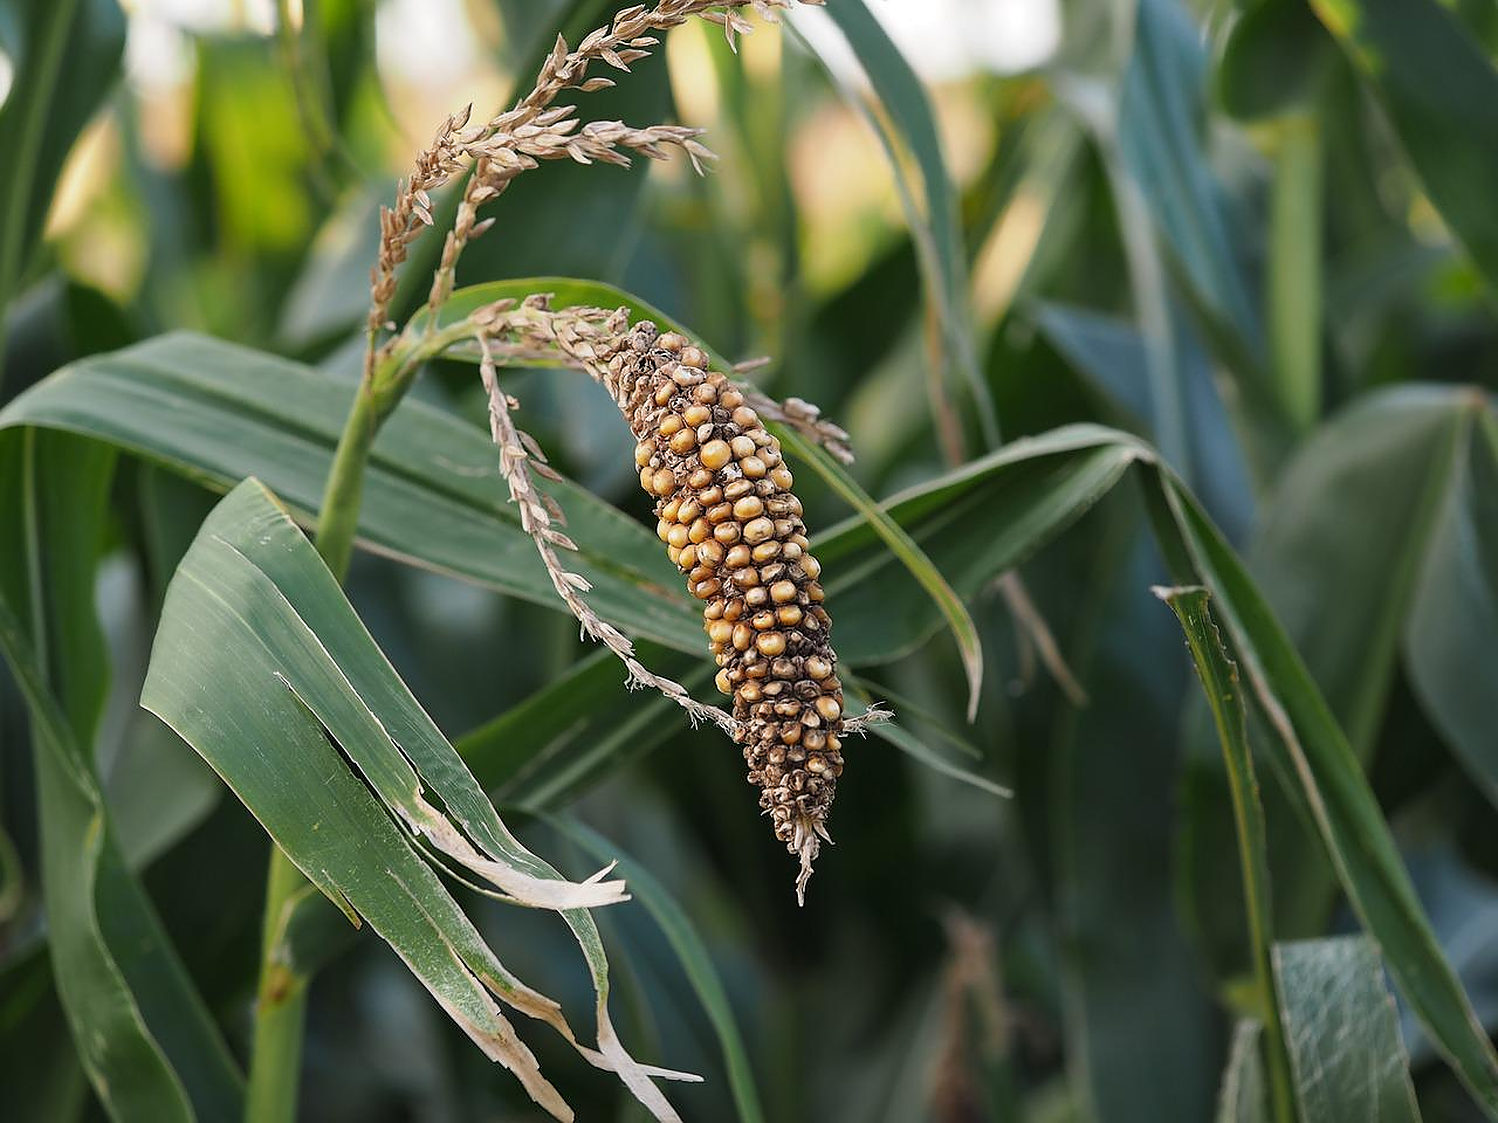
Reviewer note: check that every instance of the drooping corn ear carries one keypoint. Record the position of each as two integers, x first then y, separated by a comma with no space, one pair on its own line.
732,524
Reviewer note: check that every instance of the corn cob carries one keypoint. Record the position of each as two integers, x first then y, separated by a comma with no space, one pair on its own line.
732,524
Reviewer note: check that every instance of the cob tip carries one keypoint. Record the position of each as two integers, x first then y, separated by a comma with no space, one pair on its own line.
806,840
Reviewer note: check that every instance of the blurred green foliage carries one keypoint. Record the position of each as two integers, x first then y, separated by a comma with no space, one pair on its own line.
1259,236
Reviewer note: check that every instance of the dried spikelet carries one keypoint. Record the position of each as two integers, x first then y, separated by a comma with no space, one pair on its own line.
514,141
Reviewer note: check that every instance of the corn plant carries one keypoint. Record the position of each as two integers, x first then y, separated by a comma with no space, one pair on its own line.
311,472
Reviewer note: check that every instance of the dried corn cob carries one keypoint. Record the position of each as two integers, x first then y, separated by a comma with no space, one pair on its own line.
732,524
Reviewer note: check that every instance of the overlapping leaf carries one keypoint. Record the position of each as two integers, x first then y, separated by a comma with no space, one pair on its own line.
263,667
1028,492
144,1037
1343,1033
1441,93
67,56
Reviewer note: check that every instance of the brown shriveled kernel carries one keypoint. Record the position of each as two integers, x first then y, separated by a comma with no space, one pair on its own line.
757,530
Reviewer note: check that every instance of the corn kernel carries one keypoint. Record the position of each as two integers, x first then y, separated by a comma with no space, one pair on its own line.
715,454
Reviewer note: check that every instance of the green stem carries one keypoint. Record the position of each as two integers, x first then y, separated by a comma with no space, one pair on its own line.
280,1006
281,998
338,517
1294,278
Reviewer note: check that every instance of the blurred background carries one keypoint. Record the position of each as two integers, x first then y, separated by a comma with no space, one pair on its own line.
1201,222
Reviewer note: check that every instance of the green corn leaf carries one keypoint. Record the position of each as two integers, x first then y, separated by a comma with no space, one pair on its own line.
1343,1033
1273,59
1453,615
116,1048
932,212
1311,748
691,952
1133,1004
559,740
1441,93
1224,691
1373,538
263,667
219,413
1159,137
144,1037
67,56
